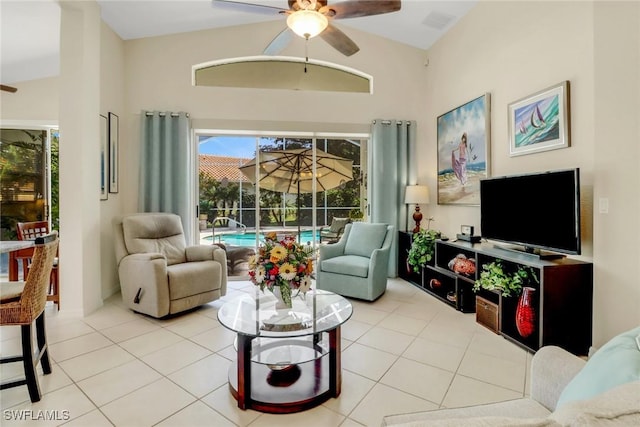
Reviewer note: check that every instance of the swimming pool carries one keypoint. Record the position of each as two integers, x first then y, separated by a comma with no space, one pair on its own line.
249,239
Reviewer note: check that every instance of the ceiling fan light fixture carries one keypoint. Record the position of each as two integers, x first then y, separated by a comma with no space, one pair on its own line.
307,23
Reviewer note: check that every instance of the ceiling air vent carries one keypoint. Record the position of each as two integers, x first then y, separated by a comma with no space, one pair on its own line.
438,20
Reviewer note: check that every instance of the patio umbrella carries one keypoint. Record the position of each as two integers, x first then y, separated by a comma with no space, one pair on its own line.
291,171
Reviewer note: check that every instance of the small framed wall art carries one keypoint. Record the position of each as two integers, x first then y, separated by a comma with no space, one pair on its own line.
104,158
540,122
113,153
463,151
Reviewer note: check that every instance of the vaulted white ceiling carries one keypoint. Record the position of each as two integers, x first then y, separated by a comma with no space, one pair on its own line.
29,34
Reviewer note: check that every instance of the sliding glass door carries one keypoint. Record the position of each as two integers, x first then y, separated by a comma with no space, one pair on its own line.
28,182
235,171
25,177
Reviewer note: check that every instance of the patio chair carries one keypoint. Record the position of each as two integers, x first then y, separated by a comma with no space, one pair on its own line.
333,232
159,274
22,303
236,255
357,265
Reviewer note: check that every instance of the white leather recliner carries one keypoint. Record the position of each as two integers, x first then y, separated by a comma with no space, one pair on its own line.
159,274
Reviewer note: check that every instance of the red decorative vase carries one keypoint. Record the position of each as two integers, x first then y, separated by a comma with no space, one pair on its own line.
525,313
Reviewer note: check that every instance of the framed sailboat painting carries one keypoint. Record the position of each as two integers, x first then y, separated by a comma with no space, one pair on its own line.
540,122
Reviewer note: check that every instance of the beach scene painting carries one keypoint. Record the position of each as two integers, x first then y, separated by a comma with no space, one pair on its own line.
539,122
463,152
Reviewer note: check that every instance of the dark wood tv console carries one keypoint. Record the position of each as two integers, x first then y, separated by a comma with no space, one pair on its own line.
563,299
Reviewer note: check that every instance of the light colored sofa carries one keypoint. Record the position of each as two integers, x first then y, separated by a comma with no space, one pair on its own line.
565,391
159,274
357,265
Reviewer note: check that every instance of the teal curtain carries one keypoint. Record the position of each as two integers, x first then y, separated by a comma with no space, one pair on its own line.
165,176
390,169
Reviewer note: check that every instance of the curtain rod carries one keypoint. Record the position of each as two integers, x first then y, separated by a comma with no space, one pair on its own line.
388,122
150,113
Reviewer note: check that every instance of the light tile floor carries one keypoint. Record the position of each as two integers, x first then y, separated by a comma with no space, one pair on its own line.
405,352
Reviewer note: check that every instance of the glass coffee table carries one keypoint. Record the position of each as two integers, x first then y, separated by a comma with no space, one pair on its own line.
288,360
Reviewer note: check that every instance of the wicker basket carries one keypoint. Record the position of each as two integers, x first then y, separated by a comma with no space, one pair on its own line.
487,314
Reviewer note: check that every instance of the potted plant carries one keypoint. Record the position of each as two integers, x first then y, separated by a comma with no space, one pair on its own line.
422,248
494,278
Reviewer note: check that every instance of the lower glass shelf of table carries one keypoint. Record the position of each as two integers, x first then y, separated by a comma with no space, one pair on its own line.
287,387
285,369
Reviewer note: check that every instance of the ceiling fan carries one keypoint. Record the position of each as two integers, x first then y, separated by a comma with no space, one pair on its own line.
8,88
309,18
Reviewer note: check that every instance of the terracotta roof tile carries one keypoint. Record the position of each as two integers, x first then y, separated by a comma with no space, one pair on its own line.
219,167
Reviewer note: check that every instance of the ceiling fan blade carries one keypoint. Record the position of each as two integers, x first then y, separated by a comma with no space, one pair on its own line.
240,6
8,88
355,8
281,41
339,40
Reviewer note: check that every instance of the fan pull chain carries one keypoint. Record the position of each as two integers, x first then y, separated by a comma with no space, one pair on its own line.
306,53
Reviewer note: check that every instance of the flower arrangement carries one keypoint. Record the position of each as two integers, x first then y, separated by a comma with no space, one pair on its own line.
284,264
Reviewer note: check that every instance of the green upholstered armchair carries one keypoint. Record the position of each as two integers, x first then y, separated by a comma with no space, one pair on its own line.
333,232
357,265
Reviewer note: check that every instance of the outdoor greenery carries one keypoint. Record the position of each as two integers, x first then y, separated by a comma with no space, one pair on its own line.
496,277
22,183
221,199
422,248
356,214
218,199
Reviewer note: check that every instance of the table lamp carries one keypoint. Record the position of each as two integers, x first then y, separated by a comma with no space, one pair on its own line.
416,194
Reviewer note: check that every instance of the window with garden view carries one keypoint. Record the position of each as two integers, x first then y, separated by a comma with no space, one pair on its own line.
227,196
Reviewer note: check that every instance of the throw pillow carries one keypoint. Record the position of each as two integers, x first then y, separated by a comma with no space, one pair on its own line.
616,363
619,406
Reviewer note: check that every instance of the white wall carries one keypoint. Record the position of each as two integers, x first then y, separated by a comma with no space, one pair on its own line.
616,131
111,100
38,101
595,47
159,77
79,162
489,51
35,100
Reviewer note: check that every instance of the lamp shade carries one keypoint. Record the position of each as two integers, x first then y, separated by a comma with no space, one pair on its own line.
416,194
307,23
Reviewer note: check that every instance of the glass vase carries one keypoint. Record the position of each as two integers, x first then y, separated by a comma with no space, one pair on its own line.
280,303
525,313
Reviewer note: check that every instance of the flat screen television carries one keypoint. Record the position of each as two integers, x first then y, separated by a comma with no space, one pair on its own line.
537,211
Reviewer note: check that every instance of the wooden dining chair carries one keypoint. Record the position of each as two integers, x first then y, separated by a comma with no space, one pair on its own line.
22,304
30,231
